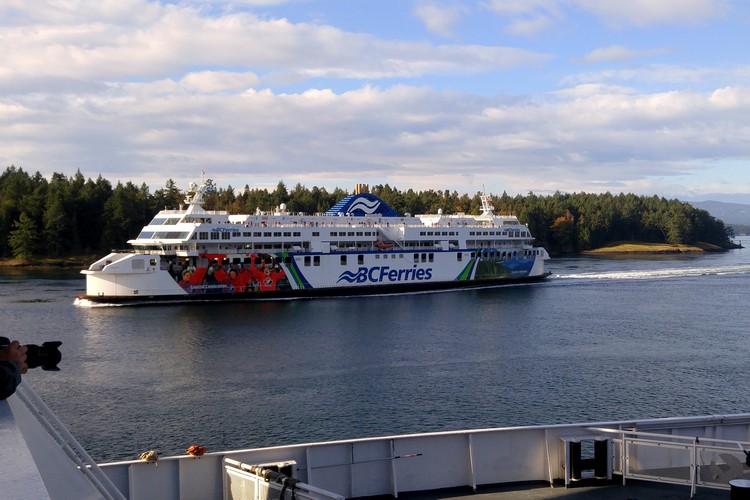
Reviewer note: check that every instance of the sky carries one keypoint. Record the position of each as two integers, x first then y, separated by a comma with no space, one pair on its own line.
650,97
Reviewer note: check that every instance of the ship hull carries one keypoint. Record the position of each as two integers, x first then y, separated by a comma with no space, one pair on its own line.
310,293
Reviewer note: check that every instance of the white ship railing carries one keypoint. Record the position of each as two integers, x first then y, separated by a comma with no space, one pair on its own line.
392,465
61,461
688,460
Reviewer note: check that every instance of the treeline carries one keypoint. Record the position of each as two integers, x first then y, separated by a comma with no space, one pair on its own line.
66,216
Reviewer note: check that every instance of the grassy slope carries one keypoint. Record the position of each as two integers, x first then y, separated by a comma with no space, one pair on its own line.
639,247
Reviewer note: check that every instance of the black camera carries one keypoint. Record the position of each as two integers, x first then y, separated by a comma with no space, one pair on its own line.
46,355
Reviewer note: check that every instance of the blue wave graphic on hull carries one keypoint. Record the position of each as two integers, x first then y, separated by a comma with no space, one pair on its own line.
348,276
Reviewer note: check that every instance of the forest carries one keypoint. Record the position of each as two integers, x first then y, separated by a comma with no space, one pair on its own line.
73,216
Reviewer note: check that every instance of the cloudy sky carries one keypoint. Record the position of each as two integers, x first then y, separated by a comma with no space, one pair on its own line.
643,96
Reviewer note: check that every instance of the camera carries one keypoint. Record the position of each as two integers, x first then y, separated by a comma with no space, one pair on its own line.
46,355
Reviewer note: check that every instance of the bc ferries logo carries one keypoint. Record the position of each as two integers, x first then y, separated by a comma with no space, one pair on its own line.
381,274
365,205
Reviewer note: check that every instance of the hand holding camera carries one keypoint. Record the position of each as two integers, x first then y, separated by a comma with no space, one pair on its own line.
31,355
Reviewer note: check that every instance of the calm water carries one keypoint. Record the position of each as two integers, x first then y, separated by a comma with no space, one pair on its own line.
604,339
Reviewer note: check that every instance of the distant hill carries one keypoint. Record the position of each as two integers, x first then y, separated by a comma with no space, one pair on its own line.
730,213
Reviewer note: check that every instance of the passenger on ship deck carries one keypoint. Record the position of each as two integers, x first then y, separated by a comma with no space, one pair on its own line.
12,366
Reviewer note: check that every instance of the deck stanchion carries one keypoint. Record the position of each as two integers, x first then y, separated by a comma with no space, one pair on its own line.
575,460
601,458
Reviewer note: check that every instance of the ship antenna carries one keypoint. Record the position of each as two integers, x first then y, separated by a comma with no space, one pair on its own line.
487,208
195,194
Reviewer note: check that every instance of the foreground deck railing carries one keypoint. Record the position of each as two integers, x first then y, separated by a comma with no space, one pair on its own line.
65,467
692,451
676,459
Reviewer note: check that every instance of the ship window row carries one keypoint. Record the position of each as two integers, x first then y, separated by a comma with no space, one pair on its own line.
163,235
352,233
226,235
497,254
274,234
429,243
438,233
315,260
512,234
164,221
424,257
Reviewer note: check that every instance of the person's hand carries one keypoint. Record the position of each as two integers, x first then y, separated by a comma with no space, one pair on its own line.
17,353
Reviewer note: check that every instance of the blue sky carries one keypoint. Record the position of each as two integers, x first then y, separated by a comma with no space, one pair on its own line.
643,96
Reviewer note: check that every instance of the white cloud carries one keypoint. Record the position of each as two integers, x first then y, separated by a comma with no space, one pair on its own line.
170,41
438,18
528,18
621,53
219,81
532,17
704,77
586,139
642,13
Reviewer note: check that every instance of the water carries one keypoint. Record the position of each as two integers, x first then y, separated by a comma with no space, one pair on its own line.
604,339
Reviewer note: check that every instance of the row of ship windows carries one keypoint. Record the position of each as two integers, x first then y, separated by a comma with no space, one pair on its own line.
512,234
226,234
314,260
216,236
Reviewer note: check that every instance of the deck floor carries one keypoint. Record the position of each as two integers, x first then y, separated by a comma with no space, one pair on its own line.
632,490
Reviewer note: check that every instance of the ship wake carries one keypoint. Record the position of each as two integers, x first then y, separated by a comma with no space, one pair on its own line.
642,274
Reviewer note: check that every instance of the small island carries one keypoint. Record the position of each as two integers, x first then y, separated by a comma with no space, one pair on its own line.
635,247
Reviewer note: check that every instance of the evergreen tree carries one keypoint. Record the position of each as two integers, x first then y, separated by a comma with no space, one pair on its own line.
24,238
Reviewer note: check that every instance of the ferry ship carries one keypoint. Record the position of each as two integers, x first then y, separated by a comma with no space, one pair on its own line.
361,246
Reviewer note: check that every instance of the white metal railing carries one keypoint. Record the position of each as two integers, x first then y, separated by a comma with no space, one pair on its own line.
255,482
67,443
668,458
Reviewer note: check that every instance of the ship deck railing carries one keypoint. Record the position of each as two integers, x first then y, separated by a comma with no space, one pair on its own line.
691,452
687,460
42,458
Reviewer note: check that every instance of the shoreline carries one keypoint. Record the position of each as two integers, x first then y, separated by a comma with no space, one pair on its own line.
61,263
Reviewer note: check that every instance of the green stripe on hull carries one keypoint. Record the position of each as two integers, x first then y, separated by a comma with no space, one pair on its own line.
465,275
